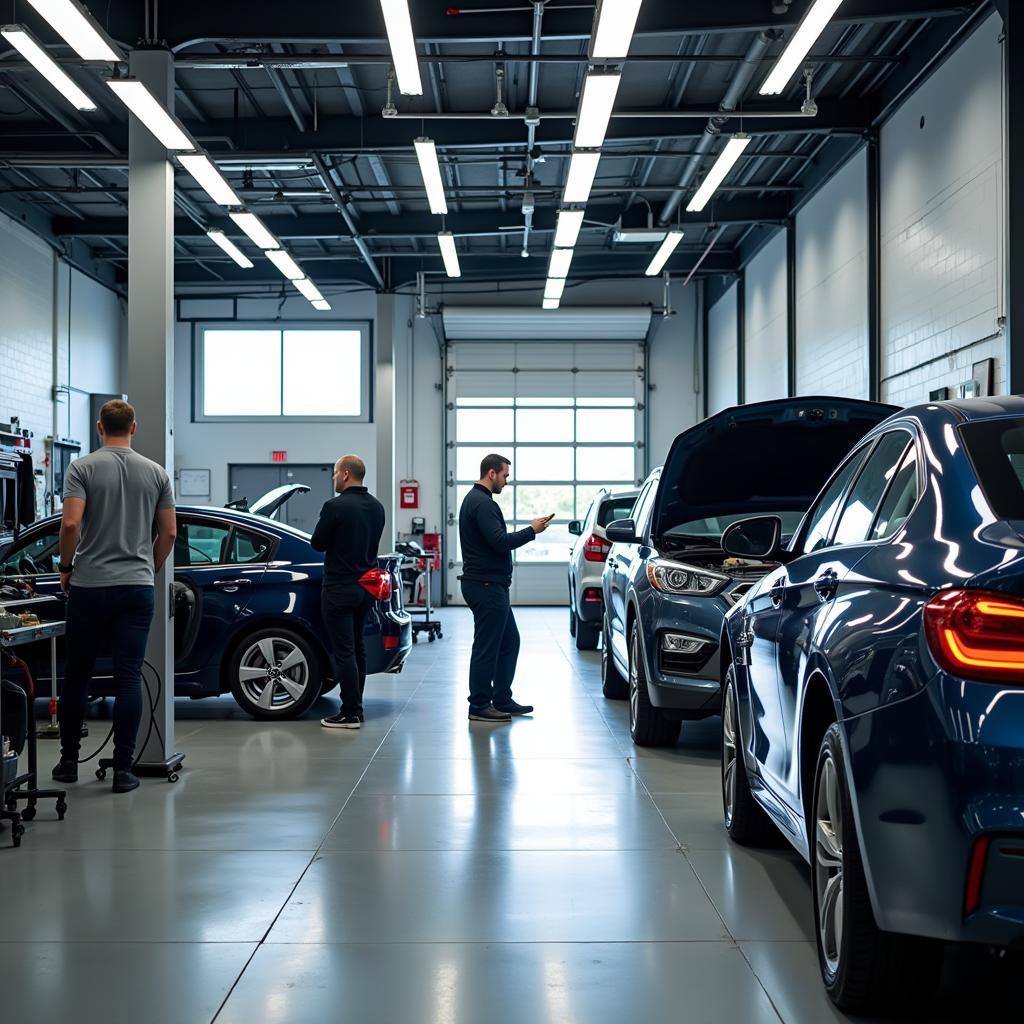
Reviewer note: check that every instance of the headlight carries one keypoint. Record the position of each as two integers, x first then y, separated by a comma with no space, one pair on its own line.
677,578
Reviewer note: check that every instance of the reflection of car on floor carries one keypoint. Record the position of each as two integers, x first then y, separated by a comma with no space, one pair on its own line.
247,608
874,697
586,563
668,584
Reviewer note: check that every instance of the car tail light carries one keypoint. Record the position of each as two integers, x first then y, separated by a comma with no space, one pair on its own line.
591,595
977,634
377,583
596,549
976,874
391,643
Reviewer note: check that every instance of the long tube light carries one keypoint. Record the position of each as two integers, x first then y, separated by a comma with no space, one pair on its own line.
308,289
426,154
21,39
599,89
255,229
722,166
551,303
283,261
558,266
75,24
145,106
568,228
799,45
580,179
322,304
218,236
203,169
554,287
449,254
667,247
398,23
614,24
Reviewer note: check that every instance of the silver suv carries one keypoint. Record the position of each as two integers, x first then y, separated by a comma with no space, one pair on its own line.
586,563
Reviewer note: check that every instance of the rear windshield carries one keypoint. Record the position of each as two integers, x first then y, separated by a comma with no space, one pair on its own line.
616,508
996,448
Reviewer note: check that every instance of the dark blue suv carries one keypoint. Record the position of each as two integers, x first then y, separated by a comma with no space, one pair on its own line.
668,584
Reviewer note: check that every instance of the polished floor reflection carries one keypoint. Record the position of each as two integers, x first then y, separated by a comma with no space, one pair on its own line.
423,870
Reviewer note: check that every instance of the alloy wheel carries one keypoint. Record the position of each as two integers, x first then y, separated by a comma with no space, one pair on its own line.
273,673
729,753
828,864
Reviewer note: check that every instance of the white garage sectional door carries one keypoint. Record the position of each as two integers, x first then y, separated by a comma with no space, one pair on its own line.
570,417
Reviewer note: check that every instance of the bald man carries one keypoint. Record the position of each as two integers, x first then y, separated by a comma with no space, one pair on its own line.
349,532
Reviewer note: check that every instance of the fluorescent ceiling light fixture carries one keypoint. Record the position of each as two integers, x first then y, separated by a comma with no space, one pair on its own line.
672,239
72,21
799,45
398,24
449,254
322,304
580,179
568,228
613,28
639,236
554,287
551,303
426,153
144,105
255,229
285,264
205,171
722,166
21,39
599,89
218,236
559,264
308,289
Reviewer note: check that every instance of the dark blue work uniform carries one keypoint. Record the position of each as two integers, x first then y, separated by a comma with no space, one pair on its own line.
487,548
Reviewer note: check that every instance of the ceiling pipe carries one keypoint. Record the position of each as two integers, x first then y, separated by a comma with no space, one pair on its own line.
531,124
721,115
733,95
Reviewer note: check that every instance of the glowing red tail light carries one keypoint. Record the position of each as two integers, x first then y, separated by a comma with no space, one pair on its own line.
391,643
596,549
976,874
377,583
977,634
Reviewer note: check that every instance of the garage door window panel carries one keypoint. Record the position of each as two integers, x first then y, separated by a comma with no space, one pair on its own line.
617,426
605,464
485,426
544,425
552,545
543,464
535,500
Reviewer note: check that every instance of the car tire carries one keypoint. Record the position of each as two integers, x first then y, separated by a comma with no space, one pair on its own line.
862,967
746,821
587,635
572,619
279,658
613,686
649,726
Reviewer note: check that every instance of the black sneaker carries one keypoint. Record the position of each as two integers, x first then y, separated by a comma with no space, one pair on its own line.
342,721
512,708
488,714
66,771
125,782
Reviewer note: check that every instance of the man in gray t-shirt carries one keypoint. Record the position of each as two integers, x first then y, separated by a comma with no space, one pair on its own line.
117,529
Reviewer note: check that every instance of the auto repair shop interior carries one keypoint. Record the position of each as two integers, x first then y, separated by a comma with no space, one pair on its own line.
732,288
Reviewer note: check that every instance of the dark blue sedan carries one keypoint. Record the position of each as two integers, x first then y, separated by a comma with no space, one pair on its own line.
247,602
874,696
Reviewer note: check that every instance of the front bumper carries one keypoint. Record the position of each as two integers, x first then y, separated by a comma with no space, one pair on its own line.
932,774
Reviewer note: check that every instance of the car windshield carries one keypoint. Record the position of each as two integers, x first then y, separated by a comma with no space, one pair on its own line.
616,508
712,528
996,448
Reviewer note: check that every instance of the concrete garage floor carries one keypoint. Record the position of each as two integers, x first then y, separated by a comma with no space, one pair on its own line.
420,870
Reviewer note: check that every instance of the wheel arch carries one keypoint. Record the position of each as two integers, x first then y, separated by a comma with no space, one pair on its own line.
817,714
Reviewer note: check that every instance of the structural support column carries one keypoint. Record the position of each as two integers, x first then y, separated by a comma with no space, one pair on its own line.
874,269
741,338
384,410
151,372
791,308
1013,27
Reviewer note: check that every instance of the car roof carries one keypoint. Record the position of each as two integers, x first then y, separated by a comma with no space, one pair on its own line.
629,492
969,409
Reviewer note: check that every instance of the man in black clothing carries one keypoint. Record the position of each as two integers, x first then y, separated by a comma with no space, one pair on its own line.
349,531
487,548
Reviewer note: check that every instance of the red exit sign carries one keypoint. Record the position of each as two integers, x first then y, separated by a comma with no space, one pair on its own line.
279,456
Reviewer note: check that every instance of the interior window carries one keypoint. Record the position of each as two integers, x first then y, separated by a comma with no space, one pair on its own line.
827,507
859,511
199,544
37,556
612,510
900,499
248,547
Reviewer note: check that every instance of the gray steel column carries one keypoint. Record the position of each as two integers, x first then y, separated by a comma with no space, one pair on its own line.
151,366
384,411
791,307
874,193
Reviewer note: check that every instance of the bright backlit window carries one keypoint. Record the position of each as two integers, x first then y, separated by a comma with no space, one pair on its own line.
260,372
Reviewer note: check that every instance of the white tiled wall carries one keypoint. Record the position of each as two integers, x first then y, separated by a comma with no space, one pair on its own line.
942,216
831,286
765,323
722,353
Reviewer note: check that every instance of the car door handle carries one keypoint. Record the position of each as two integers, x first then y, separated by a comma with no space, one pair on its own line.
777,593
825,585
230,586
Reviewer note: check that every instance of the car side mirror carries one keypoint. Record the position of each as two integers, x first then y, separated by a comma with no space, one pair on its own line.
576,528
622,531
760,537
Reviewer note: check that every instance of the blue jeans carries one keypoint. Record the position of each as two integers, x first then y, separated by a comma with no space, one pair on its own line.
492,666
101,621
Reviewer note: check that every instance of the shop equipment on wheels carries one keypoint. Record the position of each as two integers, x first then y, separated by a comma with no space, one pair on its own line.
416,570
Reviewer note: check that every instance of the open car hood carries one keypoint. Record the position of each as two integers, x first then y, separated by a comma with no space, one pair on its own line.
760,458
274,499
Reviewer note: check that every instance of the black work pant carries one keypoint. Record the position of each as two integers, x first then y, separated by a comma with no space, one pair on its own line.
344,612
101,620
492,666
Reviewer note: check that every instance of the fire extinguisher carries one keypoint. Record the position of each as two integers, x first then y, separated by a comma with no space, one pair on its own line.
409,493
